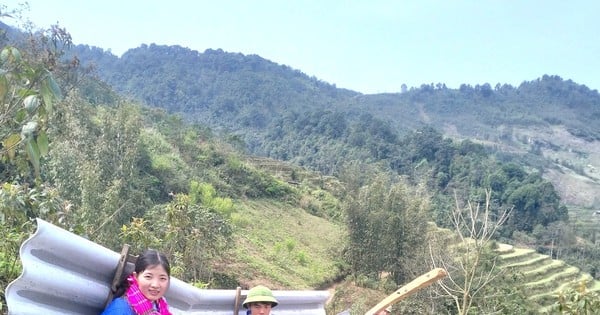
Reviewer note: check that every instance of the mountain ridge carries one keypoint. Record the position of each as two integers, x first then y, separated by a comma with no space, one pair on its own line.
547,123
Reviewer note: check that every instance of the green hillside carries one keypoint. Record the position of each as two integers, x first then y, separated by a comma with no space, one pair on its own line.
244,171
284,247
545,124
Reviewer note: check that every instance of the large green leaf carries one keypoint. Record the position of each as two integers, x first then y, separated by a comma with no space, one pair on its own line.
10,143
50,92
3,87
47,96
42,142
54,87
34,155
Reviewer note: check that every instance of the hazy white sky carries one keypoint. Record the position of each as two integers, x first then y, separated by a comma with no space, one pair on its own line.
370,46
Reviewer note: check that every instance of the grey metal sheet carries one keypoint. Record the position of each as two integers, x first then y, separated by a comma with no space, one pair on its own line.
66,274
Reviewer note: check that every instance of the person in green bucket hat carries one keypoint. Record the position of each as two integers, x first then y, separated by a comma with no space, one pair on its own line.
260,300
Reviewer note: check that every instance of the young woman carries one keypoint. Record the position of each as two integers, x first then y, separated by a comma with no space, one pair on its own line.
142,291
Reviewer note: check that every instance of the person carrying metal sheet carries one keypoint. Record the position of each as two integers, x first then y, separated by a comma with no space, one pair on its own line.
142,291
259,301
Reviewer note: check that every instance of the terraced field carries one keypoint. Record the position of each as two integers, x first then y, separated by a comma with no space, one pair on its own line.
544,277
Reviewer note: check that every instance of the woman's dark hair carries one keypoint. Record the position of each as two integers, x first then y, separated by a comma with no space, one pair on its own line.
147,259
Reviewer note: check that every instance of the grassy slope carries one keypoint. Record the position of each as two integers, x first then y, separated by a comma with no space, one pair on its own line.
283,246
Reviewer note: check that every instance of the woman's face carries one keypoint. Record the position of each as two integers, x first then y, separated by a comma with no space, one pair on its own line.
153,282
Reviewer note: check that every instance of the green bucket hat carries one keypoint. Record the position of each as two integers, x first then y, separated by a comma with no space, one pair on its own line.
260,293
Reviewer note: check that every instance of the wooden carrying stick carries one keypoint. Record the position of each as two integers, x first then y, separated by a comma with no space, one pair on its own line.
236,305
410,288
118,274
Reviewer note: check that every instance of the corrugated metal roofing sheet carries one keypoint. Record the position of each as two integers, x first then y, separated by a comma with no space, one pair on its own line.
66,274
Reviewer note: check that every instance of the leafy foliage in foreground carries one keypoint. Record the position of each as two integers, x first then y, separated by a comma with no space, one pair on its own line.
577,301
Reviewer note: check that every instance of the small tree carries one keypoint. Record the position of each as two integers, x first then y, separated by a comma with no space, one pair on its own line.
28,96
386,221
471,263
191,234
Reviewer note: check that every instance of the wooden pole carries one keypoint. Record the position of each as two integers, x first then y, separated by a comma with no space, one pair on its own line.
236,306
410,288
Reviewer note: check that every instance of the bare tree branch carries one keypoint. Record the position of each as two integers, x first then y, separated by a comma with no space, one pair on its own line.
475,226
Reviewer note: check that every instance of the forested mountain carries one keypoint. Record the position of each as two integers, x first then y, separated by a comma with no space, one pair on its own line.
216,86
549,124
510,139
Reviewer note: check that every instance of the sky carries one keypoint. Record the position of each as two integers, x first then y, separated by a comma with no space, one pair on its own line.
369,46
